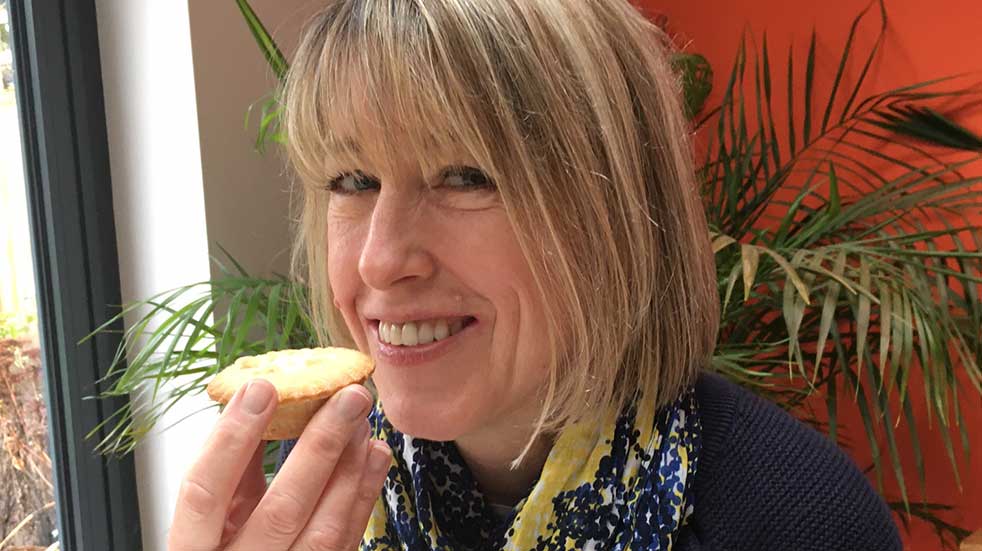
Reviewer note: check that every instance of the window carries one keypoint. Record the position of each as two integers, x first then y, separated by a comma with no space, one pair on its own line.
66,176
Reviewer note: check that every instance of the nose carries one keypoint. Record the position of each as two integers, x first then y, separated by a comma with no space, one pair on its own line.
395,249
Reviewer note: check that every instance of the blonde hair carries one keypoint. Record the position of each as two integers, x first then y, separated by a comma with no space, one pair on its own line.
572,107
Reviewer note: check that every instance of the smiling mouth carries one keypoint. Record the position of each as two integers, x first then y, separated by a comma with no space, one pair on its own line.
418,333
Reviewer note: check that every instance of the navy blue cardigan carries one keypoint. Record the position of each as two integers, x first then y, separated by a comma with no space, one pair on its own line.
768,482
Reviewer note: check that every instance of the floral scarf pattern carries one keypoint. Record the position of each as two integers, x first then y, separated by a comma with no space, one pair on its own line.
625,487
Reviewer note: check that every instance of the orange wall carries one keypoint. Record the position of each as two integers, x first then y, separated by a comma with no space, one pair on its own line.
924,41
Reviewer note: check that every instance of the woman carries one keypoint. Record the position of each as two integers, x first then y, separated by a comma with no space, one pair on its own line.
499,206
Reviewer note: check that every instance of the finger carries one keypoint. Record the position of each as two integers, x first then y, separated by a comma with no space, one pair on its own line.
208,487
328,527
285,508
369,490
247,495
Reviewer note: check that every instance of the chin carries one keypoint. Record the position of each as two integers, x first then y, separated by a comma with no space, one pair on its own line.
434,420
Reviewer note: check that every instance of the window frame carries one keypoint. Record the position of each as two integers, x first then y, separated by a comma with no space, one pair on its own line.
60,103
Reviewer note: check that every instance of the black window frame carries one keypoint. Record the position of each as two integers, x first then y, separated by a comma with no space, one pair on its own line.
58,79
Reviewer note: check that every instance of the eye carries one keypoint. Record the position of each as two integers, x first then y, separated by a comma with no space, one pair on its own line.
466,177
349,183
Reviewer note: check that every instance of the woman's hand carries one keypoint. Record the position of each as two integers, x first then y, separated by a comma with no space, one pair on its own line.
320,500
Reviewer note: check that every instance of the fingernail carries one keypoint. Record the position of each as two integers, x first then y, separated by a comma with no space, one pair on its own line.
257,397
353,404
379,458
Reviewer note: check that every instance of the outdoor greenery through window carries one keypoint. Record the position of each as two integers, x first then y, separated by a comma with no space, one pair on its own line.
27,505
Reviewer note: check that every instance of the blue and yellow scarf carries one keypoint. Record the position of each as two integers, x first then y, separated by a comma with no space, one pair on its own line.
626,487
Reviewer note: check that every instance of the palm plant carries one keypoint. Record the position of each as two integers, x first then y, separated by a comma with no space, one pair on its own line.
868,270
184,335
847,235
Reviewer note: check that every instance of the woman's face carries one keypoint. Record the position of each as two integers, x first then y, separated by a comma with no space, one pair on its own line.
427,271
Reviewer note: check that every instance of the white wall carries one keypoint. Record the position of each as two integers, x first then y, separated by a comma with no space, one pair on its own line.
178,78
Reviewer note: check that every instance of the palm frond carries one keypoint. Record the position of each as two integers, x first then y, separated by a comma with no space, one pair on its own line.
852,281
271,51
271,109
186,335
948,534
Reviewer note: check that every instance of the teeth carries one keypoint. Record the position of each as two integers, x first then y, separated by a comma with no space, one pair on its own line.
409,334
424,335
441,331
395,334
415,333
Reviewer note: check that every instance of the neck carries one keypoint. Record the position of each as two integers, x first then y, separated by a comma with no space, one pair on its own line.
489,454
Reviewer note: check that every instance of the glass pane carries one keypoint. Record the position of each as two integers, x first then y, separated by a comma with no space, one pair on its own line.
27,508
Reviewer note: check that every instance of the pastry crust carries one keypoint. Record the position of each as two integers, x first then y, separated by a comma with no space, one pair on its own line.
304,379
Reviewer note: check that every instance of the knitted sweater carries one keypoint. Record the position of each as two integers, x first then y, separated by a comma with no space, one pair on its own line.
767,482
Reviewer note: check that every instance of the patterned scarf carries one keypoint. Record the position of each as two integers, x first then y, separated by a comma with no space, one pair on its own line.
627,487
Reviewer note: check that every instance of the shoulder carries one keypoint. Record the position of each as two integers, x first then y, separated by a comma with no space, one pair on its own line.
767,481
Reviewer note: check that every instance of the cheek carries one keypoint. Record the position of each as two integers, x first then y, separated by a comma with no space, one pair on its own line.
343,252
532,339
521,345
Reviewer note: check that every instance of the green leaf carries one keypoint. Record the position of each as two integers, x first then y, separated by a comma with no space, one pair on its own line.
697,80
793,313
865,415
843,62
201,328
886,323
242,271
775,149
863,315
275,58
839,277
809,91
902,339
884,408
272,315
869,58
292,316
946,436
924,123
226,353
828,308
792,274
249,319
788,220
915,444
185,316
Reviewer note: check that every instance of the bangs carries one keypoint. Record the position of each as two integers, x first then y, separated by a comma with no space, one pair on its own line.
376,81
